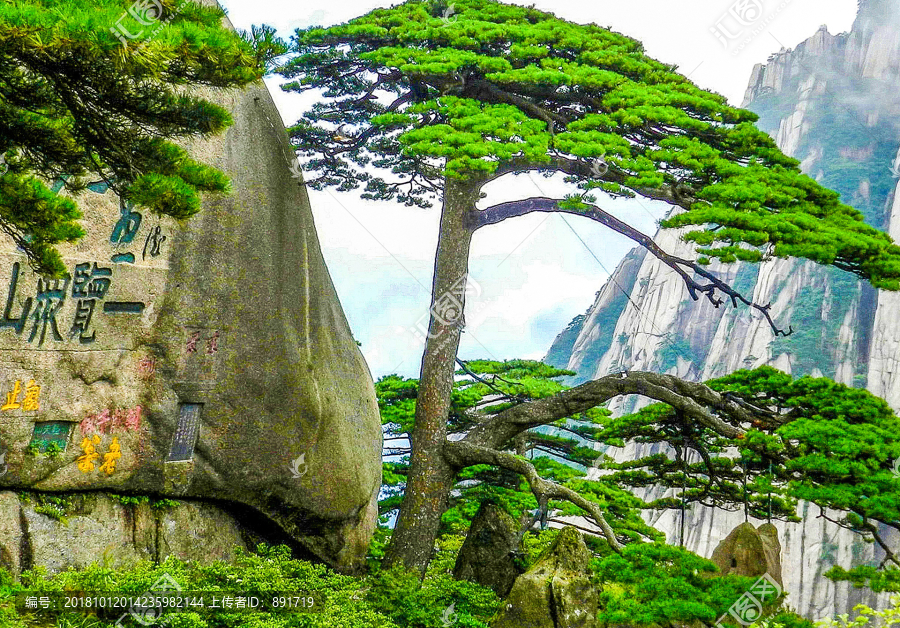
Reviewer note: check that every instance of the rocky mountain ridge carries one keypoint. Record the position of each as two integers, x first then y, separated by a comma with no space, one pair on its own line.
832,102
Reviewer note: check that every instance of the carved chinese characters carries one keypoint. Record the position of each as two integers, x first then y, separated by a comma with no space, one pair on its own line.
89,286
186,433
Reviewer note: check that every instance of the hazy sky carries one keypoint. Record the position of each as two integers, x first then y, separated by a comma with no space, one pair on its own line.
534,273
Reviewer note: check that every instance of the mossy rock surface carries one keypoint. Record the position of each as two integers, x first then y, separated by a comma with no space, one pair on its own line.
556,592
76,530
232,313
489,553
750,551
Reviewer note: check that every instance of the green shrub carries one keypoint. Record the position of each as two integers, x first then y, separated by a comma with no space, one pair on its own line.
53,506
886,618
162,504
786,618
54,449
387,599
129,500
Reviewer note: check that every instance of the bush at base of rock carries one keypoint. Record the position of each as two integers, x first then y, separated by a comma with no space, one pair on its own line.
655,583
438,599
385,599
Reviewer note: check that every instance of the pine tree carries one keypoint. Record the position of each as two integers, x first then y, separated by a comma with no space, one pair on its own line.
799,439
432,101
100,91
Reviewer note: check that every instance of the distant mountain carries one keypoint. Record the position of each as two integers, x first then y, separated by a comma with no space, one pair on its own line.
834,103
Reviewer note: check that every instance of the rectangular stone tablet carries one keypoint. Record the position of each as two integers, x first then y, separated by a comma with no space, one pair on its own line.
185,432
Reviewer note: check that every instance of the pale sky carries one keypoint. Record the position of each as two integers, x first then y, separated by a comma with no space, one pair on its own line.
534,273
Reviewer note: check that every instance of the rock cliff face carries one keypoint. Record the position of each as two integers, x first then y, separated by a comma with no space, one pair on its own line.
834,103
205,360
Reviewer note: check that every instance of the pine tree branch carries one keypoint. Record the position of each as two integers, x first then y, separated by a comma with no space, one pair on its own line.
576,526
390,77
584,169
503,211
486,91
336,147
462,454
692,398
889,555
503,395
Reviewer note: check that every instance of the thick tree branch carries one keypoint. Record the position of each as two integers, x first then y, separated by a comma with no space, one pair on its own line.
390,77
692,398
486,91
584,169
575,525
503,211
461,454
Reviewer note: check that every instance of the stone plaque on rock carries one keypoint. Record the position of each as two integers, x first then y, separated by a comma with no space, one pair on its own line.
48,432
186,432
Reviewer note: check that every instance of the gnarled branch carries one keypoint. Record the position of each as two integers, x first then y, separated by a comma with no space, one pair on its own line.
503,211
462,454
692,398
583,169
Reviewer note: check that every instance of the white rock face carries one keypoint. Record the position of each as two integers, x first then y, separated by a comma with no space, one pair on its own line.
844,329
884,358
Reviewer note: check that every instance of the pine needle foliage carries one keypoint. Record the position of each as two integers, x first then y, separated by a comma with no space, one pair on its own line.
812,439
77,104
475,89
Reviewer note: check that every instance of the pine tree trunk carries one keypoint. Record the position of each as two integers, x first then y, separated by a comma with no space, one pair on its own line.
430,478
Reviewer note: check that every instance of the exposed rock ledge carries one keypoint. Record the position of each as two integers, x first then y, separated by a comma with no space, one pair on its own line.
98,528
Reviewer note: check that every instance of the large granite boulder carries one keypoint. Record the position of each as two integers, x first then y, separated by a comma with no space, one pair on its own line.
749,551
87,528
488,555
556,592
206,359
